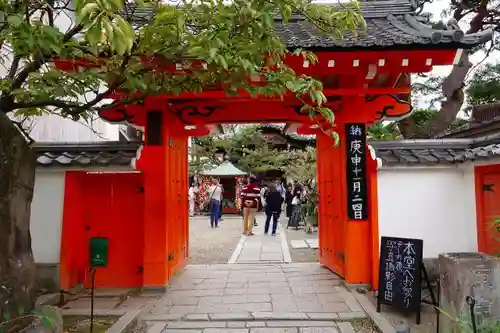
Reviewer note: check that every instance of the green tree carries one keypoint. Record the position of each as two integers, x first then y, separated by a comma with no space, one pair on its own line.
246,147
476,16
384,131
419,121
484,86
213,41
301,166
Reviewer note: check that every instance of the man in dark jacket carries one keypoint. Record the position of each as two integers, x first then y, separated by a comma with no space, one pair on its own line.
273,208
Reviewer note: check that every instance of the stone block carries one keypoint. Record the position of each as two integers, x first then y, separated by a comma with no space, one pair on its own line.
345,327
231,316
351,315
318,330
465,275
47,277
305,323
280,316
274,330
196,317
299,244
226,330
322,316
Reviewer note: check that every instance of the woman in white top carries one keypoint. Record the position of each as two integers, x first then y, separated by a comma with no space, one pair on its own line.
192,198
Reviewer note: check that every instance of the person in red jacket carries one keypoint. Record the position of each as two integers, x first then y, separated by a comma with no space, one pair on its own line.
250,196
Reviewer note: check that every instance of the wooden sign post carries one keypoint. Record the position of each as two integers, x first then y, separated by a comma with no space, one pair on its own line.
400,280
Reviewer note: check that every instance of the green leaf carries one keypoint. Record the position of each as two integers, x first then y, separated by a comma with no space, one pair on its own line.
88,9
15,20
6,316
222,61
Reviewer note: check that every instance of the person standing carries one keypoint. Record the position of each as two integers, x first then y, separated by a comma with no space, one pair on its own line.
263,192
192,198
273,208
282,191
250,195
221,208
215,197
297,194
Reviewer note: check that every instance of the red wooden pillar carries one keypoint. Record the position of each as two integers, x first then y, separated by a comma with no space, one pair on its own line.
348,247
163,160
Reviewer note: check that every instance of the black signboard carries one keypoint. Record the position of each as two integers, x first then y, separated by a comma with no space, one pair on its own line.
357,203
400,279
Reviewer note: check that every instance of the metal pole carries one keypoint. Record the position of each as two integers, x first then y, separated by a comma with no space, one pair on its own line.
472,302
438,311
92,296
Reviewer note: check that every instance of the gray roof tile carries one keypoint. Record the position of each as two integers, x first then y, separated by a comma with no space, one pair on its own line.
112,154
393,153
389,24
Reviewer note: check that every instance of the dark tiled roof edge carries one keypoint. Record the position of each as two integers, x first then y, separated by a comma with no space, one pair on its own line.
391,24
393,153
86,154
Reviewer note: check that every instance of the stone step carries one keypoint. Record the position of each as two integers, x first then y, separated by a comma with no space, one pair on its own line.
286,326
258,316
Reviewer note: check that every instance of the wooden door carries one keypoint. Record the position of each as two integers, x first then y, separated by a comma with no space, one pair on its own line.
177,201
490,187
115,210
331,220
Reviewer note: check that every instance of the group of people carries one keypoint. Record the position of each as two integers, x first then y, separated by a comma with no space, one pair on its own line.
271,198
254,197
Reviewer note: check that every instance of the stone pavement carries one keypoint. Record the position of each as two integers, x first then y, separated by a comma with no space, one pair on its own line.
254,298
261,248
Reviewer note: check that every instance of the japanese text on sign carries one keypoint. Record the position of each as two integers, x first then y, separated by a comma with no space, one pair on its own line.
400,272
356,172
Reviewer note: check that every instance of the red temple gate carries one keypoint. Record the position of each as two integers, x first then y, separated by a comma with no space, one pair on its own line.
364,80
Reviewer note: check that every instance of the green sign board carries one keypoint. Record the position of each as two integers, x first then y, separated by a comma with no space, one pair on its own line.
98,252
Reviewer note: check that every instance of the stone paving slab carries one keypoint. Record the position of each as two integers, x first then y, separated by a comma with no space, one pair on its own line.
245,298
313,243
254,327
299,244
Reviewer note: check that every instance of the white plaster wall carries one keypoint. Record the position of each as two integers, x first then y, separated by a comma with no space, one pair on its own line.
434,204
46,216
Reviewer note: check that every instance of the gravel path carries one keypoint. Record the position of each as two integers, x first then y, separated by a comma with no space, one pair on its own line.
213,246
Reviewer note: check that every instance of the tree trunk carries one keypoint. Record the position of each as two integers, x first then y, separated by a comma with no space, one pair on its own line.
454,99
17,267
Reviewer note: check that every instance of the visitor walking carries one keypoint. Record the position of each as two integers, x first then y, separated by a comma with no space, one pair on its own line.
273,208
250,195
215,197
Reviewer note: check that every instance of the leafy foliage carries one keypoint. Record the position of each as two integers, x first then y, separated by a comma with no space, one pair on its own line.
197,44
141,48
381,131
484,87
248,149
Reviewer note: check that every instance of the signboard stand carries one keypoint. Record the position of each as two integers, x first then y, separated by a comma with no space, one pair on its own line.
92,299
98,255
401,273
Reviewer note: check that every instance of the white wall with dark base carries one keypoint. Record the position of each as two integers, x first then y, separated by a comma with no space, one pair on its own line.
46,216
436,204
